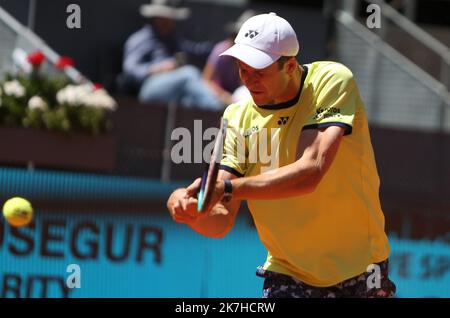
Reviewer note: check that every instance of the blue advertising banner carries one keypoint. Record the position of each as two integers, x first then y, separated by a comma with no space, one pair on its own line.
121,255
126,256
143,253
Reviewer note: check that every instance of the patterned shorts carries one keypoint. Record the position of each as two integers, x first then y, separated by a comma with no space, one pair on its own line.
278,285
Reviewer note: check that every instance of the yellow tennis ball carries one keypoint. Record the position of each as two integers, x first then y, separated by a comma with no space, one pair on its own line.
18,211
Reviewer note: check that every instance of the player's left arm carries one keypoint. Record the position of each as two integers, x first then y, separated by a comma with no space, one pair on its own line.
316,151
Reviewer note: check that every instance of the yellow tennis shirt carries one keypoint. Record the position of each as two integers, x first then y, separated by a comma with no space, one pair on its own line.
334,233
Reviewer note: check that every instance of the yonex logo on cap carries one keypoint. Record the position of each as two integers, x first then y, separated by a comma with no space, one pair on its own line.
262,40
251,34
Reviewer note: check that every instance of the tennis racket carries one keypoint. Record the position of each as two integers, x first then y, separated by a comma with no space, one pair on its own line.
211,172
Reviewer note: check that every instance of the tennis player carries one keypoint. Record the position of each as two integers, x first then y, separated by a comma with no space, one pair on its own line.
316,204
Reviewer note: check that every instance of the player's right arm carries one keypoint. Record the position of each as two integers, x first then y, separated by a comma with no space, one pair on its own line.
217,223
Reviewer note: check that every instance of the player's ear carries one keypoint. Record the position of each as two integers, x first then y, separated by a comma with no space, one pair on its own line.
291,66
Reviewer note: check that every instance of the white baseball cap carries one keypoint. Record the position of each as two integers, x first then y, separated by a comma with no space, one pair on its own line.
263,39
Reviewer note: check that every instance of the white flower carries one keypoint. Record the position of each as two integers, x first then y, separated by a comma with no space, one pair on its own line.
14,88
64,96
84,95
73,95
100,99
37,102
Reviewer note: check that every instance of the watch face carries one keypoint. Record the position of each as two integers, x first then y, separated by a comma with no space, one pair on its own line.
228,187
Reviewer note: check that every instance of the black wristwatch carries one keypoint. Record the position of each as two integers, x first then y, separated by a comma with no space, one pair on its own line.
227,191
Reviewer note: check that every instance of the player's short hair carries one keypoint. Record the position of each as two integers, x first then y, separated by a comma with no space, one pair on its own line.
282,60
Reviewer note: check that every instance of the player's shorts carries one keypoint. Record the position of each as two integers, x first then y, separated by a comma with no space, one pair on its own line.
278,285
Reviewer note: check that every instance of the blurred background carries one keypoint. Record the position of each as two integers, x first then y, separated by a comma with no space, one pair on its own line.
94,159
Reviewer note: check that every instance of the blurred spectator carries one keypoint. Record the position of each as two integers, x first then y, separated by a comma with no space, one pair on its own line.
154,60
222,74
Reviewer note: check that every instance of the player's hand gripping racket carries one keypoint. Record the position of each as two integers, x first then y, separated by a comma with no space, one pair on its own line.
209,177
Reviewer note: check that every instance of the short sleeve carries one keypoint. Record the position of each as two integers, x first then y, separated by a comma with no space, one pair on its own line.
336,99
234,152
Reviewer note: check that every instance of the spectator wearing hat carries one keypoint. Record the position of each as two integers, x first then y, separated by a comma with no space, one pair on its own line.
154,59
